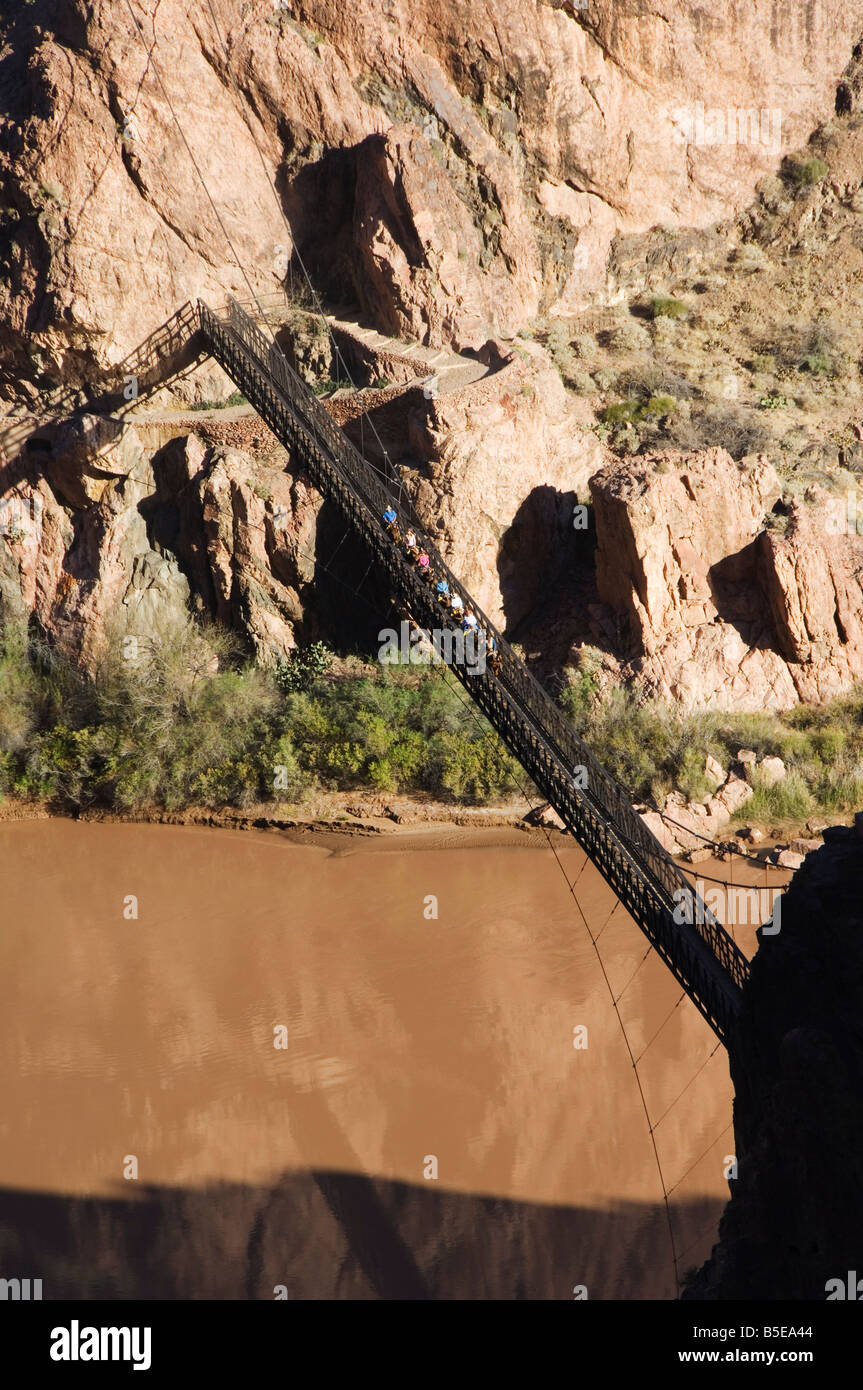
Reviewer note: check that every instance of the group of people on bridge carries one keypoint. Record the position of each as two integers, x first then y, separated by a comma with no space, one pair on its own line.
451,602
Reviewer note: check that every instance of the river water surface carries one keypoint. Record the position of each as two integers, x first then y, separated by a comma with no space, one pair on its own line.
430,1129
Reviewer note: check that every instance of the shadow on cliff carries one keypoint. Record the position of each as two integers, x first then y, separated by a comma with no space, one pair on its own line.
352,599
739,599
319,203
333,1235
538,549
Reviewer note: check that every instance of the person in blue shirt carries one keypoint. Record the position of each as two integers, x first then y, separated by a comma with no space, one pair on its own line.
390,517
442,590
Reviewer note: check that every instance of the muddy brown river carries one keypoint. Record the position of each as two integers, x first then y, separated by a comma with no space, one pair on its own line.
235,1066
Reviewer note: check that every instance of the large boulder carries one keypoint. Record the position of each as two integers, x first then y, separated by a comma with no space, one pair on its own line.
720,610
505,460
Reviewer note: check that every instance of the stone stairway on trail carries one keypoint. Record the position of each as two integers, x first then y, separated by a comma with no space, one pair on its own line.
451,370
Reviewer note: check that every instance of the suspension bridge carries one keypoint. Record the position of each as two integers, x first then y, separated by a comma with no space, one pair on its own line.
699,952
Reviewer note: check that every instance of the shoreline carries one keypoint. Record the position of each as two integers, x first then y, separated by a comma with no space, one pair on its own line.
414,826
345,818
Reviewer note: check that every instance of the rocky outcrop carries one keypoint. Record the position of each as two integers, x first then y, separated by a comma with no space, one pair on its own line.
457,173
687,825
116,540
812,578
494,458
505,461
719,610
260,549
792,1227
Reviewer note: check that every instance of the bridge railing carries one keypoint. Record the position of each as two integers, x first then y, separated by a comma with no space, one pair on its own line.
547,720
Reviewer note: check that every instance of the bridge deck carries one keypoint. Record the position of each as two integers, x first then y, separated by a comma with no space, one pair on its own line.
700,953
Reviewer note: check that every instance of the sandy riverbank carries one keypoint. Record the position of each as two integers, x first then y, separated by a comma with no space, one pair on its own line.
337,819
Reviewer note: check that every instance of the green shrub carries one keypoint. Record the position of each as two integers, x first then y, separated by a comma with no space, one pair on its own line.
634,411
235,398
839,789
303,668
804,173
19,693
789,799
622,412
829,743
328,384
580,693
664,307
659,406
818,364
692,779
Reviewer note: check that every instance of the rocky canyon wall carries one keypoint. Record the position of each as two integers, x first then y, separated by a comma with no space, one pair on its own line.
453,167
451,171
713,606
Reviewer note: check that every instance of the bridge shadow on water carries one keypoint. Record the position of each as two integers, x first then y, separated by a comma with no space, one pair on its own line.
336,1235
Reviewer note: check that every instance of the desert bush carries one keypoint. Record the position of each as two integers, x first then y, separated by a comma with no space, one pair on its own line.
764,362
557,343
804,173
580,692
304,666
790,799
326,384
235,398
663,306
633,411
585,346
735,428
820,353
630,337
658,406
19,692
605,379
622,412
557,337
